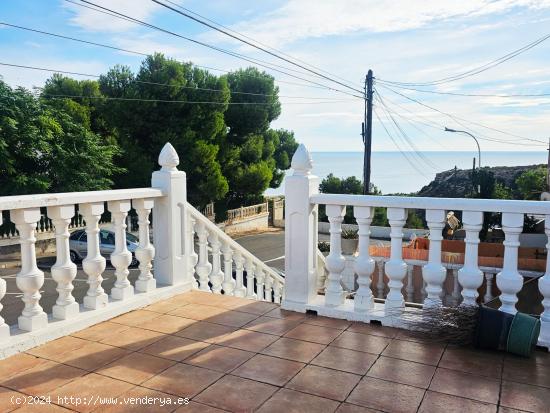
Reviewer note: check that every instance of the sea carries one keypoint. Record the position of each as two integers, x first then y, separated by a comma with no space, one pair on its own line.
396,172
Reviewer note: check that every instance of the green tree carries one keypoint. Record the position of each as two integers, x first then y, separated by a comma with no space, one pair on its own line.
531,183
501,191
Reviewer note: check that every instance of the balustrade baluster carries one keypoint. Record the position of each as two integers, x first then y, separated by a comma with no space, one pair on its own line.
364,264
544,288
277,287
64,270
228,284
410,287
250,269
120,257
4,328
145,251
260,283
470,276
240,289
489,286
193,257
434,273
216,276
30,279
334,294
203,266
380,281
396,268
509,280
268,289
94,264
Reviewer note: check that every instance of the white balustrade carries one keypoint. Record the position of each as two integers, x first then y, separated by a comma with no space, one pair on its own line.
64,270
145,251
509,281
30,279
203,267
4,328
216,275
364,264
396,268
120,257
260,282
192,255
228,284
240,289
334,294
544,288
268,288
434,273
470,276
277,291
250,269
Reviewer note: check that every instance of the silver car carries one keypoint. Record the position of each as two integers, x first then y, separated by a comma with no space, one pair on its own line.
79,247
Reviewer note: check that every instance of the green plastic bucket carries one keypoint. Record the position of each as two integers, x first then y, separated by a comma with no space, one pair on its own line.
523,335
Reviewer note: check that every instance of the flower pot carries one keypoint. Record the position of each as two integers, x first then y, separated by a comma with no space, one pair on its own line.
349,246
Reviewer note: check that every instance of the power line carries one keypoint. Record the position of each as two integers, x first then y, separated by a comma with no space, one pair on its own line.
166,84
227,33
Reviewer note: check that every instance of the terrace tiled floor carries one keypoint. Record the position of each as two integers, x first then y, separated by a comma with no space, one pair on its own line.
237,355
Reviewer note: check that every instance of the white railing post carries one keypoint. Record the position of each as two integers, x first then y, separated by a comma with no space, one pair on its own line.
334,294
4,328
228,284
170,222
145,252
434,273
489,276
300,233
250,270
395,267
240,289
509,281
364,264
64,270
216,275
544,288
470,276
30,279
203,267
120,257
193,257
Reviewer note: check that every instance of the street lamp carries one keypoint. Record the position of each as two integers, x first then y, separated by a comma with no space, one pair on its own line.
478,149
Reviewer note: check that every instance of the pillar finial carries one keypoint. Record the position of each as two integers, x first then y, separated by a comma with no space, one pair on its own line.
168,158
301,161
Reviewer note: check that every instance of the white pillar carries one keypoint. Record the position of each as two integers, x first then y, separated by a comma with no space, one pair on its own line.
193,257
470,276
94,263
380,281
268,288
64,270
300,233
240,289
228,284
396,268
170,222
216,275
334,294
203,267
260,280
250,270
509,281
434,273
4,328
277,287
364,264
30,279
145,252
544,288
120,257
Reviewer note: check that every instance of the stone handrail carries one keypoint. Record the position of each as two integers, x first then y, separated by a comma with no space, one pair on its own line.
245,212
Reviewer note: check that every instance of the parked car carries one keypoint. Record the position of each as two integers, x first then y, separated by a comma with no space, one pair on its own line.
79,246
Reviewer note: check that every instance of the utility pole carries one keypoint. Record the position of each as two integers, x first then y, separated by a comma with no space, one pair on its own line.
367,132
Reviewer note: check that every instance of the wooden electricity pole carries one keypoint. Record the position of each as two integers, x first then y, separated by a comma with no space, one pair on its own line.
367,132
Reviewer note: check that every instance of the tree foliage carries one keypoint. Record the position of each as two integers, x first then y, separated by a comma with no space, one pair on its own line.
531,183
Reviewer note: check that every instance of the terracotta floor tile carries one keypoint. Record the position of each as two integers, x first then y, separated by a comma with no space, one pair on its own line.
373,329
10,400
42,408
183,380
133,338
142,400
525,397
248,306
239,395
272,325
353,408
361,342
277,312
247,340
204,331
315,334
219,358
526,371
42,378
18,363
101,331
502,409
296,350
289,401
479,362
327,322
134,318
197,311
93,355
167,324
417,352
324,382
268,369
135,367
194,407
57,349
165,306
93,387
386,396
174,348
343,359
437,402
203,297
402,371
466,385
232,318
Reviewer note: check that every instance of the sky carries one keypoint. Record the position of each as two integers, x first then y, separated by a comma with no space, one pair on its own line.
400,40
